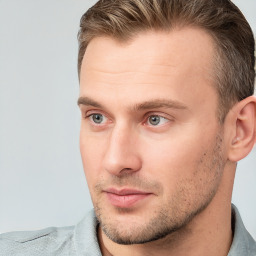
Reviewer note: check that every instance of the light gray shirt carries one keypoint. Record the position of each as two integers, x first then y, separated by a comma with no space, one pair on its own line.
81,240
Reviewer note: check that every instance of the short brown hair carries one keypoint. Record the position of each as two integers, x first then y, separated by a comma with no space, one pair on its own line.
233,37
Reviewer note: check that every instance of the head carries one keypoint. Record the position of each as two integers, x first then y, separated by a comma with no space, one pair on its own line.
157,82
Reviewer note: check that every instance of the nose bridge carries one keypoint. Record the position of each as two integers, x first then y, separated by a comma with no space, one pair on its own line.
121,153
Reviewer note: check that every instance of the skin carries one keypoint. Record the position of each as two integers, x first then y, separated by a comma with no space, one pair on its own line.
185,163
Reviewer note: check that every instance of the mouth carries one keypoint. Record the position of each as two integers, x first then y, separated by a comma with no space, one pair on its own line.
125,198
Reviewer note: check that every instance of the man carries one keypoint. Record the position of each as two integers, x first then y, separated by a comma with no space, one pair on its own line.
167,105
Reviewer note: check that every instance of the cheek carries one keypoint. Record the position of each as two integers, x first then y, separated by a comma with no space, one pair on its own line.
172,153
176,158
92,153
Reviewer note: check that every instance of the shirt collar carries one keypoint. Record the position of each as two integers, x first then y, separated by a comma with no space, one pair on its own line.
243,243
85,236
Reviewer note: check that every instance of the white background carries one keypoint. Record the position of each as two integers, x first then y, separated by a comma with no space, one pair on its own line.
41,176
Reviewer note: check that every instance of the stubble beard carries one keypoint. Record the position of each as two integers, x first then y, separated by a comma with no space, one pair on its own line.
173,216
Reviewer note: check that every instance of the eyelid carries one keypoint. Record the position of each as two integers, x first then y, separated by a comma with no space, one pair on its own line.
91,112
160,114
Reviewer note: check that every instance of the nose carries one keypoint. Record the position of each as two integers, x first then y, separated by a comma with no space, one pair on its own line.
122,154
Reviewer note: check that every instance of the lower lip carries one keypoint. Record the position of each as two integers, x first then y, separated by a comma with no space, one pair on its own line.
125,201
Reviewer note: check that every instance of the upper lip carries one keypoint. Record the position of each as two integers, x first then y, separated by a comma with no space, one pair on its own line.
126,191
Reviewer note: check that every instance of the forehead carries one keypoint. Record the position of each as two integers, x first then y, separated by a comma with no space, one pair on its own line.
189,43
176,63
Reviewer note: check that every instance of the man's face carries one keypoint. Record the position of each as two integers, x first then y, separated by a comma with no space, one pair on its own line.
150,140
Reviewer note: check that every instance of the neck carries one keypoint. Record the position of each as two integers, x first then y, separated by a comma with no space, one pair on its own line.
209,233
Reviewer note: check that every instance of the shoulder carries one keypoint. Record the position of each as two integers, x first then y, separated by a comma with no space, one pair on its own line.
65,241
243,243
41,242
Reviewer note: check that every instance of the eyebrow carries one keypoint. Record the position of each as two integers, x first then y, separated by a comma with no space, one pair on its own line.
88,102
151,104
160,103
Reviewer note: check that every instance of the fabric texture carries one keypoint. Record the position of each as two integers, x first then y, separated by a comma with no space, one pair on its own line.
81,240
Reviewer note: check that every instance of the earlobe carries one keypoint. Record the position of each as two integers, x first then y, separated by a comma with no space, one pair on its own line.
243,125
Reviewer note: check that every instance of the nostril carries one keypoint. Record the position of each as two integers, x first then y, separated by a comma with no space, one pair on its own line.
126,170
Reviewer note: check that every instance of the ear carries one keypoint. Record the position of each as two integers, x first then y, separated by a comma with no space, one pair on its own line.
242,129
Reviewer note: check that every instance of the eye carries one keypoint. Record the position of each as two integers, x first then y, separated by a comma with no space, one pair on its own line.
98,118
155,120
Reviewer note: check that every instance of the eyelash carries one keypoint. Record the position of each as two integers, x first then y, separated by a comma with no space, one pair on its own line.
146,122
159,116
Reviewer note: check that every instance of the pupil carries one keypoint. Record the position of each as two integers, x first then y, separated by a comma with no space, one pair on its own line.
154,120
97,118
